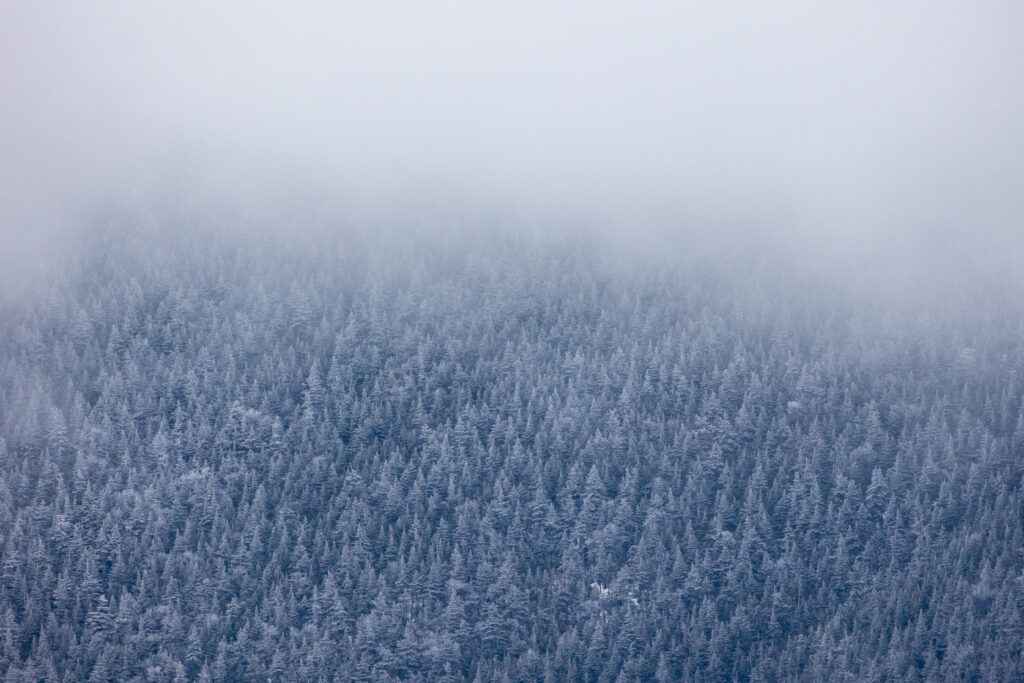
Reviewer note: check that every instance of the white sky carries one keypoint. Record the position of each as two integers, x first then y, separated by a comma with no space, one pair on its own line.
848,121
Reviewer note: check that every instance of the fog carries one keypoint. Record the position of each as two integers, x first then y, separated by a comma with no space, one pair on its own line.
861,137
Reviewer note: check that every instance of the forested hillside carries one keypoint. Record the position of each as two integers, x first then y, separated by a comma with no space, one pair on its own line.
500,460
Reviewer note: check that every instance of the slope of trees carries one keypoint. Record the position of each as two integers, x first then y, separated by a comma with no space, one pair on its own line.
499,462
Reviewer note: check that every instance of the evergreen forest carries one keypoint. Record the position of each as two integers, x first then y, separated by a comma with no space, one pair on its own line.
344,458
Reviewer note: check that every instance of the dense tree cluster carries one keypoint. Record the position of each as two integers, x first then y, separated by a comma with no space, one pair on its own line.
513,461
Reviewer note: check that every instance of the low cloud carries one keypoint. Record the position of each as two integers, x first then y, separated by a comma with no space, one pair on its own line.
839,129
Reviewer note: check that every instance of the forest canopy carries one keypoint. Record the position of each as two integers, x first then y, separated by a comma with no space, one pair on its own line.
500,459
